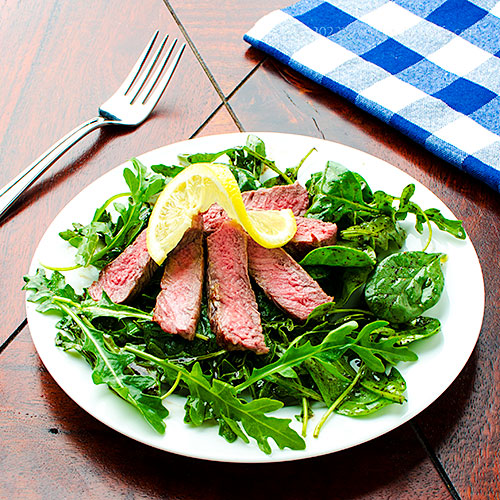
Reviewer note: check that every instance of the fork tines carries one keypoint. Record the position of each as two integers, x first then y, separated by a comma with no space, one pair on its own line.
150,80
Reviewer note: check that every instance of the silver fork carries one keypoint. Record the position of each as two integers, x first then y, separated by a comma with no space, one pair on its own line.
130,105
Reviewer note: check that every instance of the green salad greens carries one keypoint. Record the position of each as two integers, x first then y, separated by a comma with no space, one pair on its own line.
341,360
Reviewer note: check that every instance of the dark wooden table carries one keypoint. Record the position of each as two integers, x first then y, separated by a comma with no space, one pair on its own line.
60,60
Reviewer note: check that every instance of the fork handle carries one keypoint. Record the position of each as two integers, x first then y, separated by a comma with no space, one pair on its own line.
11,191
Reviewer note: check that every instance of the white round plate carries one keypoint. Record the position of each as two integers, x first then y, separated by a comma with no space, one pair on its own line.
441,358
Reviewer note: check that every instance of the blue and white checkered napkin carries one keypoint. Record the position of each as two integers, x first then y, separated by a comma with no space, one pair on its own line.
429,68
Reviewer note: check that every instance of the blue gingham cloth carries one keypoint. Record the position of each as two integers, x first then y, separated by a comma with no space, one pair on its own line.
429,68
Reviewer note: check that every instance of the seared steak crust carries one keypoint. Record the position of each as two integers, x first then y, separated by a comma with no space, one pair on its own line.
178,305
232,308
311,234
284,281
123,278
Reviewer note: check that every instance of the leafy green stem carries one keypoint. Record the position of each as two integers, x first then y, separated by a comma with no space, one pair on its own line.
61,269
150,357
268,164
85,329
174,386
108,202
293,172
337,402
305,416
429,226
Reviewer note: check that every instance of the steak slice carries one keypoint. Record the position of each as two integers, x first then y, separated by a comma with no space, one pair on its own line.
232,308
178,304
311,234
123,278
292,196
284,281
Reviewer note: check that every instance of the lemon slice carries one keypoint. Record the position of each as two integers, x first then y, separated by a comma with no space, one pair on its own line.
193,191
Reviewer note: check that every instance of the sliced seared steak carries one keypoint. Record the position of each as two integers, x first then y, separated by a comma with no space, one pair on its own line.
178,304
311,234
124,277
292,196
232,307
285,282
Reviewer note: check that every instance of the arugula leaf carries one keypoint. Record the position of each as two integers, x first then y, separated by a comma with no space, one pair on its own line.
45,289
247,163
253,419
296,355
342,196
454,227
112,368
404,285
168,171
105,307
379,233
101,240
370,351
219,400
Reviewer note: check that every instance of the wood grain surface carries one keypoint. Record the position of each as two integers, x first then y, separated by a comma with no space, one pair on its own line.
61,60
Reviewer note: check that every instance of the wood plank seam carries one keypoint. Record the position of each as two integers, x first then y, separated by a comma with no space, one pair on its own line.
13,335
207,121
435,460
204,66
245,78
221,105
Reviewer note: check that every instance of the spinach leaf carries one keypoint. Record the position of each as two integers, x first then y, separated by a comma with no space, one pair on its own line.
404,285
374,391
419,329
330,381
340,255
352,280
338,193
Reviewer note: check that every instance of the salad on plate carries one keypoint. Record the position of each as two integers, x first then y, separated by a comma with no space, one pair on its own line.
224,280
